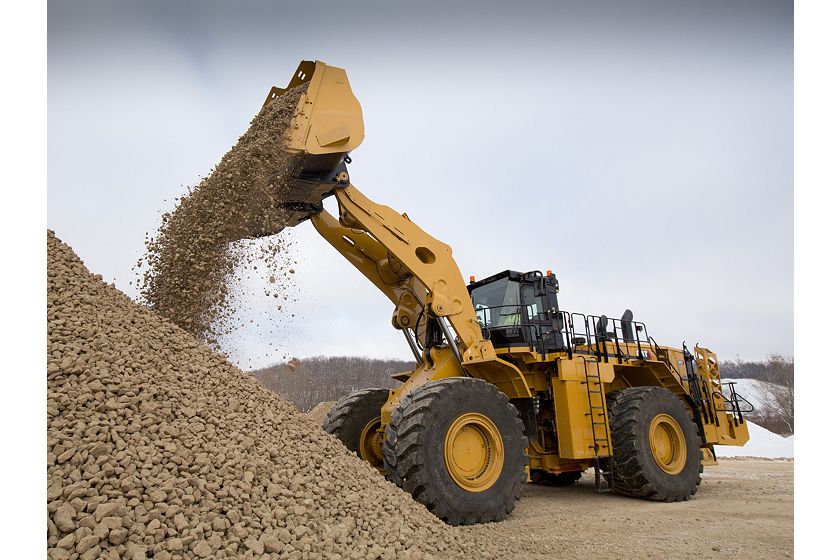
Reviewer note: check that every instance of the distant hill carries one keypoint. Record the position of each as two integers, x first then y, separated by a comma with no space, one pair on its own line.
312,380
766,370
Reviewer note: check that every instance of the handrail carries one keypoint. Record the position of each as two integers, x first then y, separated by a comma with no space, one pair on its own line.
528,326
734,401
666,359
598,344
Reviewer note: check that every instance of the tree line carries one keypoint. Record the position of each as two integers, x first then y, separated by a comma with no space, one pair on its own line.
310,381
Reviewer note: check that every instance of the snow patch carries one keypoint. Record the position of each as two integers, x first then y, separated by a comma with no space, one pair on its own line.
762,443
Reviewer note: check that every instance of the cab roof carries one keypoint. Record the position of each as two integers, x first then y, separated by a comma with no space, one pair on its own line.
514,275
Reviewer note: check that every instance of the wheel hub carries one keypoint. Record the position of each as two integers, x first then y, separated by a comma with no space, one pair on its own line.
370,444
667,444
473,452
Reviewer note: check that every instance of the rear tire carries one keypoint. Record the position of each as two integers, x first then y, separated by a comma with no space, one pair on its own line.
355,420
457,446
656,449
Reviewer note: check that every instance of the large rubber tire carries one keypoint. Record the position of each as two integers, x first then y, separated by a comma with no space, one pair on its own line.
635,471
351,414
415,441
555,479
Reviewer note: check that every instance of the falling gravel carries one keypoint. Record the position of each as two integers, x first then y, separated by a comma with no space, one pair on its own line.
197,260
160,448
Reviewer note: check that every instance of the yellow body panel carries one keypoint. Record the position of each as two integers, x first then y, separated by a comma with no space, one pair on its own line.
572,409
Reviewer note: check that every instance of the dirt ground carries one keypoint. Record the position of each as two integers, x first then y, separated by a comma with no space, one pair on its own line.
743,509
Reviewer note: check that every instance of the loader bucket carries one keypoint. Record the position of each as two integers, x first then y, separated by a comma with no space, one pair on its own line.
327,125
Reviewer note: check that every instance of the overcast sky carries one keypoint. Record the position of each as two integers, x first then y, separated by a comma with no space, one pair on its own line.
642,150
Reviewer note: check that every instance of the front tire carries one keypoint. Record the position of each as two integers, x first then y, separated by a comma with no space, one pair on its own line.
355,420
457,446
656,449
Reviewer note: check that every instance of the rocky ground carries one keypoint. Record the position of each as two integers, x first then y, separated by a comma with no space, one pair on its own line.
743,509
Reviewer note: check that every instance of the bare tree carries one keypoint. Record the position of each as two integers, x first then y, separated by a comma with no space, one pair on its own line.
778,393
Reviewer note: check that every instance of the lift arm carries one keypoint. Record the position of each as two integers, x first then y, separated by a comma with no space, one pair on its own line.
420,277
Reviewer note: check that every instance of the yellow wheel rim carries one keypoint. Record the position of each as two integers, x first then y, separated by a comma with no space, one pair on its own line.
667,444
370,444
473,452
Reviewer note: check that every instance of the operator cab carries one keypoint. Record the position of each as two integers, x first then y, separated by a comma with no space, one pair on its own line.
517,309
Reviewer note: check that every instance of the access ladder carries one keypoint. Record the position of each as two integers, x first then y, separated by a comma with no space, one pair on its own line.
601,444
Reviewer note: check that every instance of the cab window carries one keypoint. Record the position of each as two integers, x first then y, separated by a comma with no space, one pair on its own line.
533,304
497,304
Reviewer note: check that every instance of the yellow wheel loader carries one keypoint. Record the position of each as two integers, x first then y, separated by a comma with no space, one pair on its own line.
508,387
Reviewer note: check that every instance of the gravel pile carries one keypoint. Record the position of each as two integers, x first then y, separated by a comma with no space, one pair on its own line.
159,448
197,259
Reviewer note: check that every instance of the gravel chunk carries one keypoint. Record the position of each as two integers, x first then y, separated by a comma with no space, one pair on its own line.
63,518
